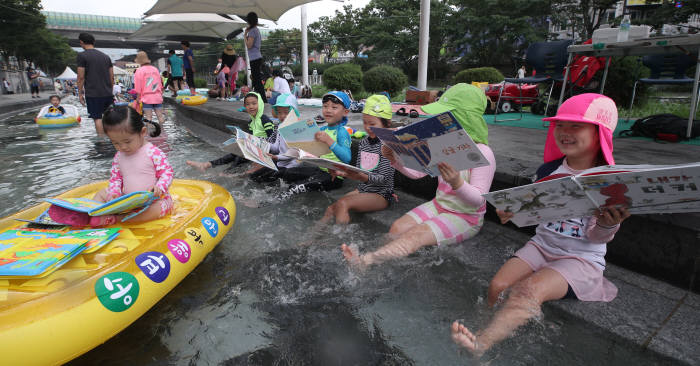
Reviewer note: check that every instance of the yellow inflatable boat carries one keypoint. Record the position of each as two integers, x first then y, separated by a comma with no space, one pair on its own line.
48,118
51,320
194,100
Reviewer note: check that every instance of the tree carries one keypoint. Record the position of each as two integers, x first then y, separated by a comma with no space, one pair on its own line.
490,32
344,29
282,43
20,22
585,16
670,13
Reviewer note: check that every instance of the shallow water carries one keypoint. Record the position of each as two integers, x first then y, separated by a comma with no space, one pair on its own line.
261,299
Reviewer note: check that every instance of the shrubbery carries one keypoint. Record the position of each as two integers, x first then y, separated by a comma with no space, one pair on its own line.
488,74
623,72
317,91
343,76
320,68
200,83
384,78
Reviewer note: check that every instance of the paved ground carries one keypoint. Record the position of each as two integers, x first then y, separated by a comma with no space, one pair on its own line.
16,103
654,315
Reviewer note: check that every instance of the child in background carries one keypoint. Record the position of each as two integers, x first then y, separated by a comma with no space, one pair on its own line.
55,101
375,191
137,166
457,211
148,87
221,80
260,126
334,134
557,262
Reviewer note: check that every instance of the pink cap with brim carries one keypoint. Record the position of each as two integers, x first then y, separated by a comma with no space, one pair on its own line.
587,108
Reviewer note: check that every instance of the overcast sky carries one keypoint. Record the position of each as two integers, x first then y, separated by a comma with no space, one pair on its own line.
136,8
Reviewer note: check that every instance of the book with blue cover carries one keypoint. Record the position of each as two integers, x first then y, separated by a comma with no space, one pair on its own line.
301,135
124,204
422,145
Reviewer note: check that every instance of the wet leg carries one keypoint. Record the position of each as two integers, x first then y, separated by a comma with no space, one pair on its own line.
359,202
523,303
513,271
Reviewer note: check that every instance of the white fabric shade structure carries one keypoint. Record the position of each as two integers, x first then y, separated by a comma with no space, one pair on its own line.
192,25
266,9
67,74
116,70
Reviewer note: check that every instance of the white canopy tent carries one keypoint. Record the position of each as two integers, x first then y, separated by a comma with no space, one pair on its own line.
116,70
190,24
265,9
67,74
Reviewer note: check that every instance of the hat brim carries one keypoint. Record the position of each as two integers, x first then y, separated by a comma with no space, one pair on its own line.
435,108
569,118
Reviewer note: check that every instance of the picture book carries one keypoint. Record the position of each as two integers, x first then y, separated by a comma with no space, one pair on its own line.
119,205
231,145
301,134
643,189
35,254
43,220
97,238
330,164
255,149
422,145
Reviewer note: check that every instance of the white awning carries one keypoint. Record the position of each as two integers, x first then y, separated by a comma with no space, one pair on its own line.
67,74
266,9
193,25
116,70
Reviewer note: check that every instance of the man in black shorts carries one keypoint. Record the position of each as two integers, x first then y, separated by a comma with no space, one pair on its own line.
95,80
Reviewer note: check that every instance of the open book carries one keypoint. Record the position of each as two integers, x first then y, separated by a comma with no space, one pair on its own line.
120,205
422,145
250,147
300,135
306,158
643,189
35,254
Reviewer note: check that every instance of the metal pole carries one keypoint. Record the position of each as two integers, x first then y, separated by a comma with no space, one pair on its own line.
694,98
563,83
605,74
247,64
423,44
304,48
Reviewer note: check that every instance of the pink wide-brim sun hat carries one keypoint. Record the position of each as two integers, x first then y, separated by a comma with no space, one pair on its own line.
587,108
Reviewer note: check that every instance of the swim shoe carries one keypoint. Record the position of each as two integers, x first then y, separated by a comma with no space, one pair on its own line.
68,217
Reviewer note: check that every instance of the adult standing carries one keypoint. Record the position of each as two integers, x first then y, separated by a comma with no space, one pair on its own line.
33,77
188,64
252,42
95,80
175,68
8,87
228,58
148,86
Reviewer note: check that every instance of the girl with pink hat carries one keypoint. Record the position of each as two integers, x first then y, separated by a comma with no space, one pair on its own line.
565,259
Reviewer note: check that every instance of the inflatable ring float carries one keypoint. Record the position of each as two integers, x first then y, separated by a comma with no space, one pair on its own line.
194,100
94,296
48,118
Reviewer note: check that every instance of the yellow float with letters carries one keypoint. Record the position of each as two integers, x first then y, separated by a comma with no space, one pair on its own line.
94,296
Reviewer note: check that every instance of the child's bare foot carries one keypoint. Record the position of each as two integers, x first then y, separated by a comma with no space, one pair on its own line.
352,255
200,165
463,337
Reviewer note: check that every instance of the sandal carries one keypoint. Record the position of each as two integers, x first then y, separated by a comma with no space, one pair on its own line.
413,113
401,112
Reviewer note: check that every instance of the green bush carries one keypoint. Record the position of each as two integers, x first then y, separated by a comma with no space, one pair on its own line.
200,83
488,74
343,76
317,91
365,63
384,78
623,72
242,80
320,68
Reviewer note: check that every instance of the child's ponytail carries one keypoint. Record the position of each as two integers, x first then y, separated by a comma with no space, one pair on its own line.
115,116
156,128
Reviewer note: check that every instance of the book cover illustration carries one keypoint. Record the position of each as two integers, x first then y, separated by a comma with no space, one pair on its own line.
300,134
643,189
119,205
424,144
255,149
31,254
231,145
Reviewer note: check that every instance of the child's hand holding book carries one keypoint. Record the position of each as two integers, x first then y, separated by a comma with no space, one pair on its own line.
450,175
609,217
321,136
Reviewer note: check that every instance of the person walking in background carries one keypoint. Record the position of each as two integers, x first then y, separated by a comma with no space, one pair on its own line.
252,42
8,87
95,80
188,64
33,77
521,72
228,58
175,69
149,88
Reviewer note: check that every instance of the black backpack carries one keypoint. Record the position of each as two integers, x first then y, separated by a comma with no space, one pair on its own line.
667,127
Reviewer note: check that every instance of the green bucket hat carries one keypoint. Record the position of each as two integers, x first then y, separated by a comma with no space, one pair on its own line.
378,106
467,103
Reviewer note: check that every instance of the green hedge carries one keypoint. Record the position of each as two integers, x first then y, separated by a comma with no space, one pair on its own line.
343,76
320,68
384,78
621,77
200,83
317,91
488,74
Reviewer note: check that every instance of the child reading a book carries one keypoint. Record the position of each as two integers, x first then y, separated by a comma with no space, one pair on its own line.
56,107
260,125
565,259
375,191
457,211
137,166
336,106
